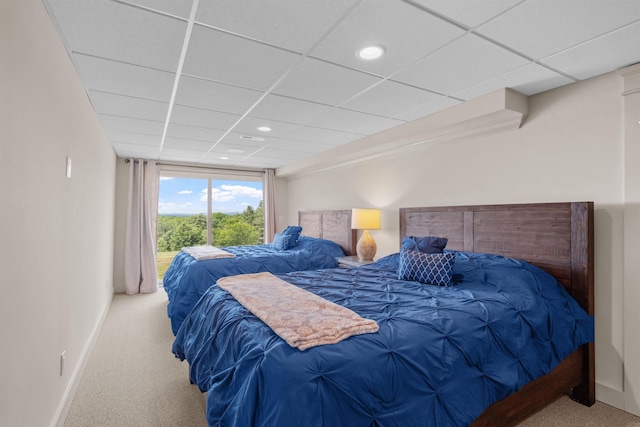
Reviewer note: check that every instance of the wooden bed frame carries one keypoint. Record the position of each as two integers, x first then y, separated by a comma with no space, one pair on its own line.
558,238
334,225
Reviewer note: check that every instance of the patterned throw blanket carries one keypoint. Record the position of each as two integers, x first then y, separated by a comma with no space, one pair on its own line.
301,318
207,252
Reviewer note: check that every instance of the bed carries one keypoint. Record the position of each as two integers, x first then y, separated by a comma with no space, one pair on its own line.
442,355
325,236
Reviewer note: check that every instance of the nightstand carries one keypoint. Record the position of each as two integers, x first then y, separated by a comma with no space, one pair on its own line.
351,261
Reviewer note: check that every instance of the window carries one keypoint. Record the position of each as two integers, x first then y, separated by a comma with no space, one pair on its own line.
219,208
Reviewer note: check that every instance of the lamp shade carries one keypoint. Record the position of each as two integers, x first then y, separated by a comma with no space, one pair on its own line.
365,219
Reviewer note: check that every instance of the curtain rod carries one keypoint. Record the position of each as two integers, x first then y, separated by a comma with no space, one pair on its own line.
200,167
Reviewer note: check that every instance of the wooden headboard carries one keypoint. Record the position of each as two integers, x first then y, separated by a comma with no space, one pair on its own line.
558,238
334,225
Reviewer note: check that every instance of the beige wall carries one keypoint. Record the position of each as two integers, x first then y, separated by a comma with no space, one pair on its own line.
631,78
56,232
570,148
122,194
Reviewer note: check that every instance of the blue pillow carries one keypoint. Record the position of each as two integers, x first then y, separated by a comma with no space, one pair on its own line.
427,244
283,242
432,269
292,229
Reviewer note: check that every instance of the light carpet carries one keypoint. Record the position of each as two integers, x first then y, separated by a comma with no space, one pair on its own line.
133,379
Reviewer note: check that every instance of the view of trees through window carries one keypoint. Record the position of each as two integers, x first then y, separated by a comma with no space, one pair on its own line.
237,215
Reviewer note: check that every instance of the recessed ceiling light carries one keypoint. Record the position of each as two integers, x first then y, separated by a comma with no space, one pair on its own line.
235,150
370,52
224,158
264,128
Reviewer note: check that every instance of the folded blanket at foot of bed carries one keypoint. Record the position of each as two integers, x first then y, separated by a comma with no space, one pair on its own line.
299,317
207,252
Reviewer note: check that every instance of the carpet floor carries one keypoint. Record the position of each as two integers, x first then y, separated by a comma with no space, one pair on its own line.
133,379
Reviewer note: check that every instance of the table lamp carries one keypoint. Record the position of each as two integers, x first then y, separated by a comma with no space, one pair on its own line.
365,219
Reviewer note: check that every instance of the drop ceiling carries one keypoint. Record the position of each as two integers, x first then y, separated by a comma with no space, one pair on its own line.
190,81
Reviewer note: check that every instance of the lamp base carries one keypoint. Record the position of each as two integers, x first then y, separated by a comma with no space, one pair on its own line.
366,247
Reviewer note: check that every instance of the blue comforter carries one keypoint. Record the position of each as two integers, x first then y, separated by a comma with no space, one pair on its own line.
186,279
442,354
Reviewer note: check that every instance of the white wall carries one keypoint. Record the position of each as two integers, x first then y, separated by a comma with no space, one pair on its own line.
56,232
570,148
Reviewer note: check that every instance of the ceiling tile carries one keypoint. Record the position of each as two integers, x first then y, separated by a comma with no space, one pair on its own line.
128,124
299,146
120,105
390,98
180,8
214,55
215,96
353,121
192,132
186,144
601,55
182,152
294,25
249,126
121,32
183,115
134,138
466,62
236,150
124,79
541,28
261,162
322,82
468,13
323,136
280,154
234,139
529,80
289,110
376,22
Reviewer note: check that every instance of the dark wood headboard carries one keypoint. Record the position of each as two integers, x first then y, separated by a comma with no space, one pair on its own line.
334,225
557,237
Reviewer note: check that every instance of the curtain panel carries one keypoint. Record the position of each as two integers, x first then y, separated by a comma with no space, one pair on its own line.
269,205
140,272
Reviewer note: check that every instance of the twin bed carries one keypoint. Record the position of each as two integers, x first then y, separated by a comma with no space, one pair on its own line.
507,338
326,235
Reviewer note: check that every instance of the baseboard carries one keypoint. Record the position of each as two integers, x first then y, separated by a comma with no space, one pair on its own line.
65,404
610,396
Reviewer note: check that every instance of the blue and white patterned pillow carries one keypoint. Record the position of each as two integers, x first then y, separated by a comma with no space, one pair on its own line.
432,269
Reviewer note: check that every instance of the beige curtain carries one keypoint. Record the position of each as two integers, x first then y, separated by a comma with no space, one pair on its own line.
140,239
269,205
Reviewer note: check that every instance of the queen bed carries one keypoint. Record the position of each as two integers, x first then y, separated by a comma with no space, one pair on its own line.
512,332
325,236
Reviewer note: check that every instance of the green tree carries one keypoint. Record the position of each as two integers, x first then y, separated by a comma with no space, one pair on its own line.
186,234
199,221
258,220
238,232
